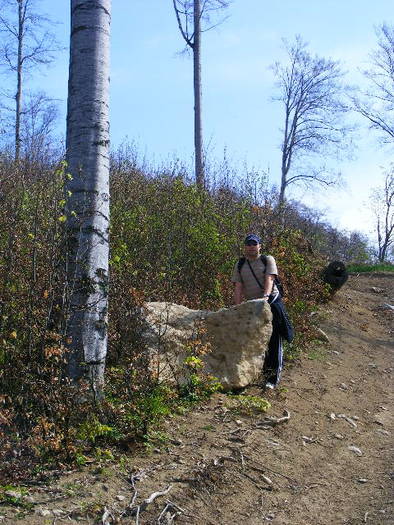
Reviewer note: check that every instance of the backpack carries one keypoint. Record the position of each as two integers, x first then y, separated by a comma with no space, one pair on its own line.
277,281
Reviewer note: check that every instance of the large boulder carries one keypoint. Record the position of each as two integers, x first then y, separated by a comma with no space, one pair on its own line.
237,338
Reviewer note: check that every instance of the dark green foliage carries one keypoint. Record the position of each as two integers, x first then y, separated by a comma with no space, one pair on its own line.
364,268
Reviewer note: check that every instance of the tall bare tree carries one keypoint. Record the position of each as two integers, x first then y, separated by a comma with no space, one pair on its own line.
377,104
190,14
87,146
382,203
38,127
25,44
311,92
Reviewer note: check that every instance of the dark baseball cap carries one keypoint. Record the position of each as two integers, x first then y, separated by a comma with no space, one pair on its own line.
252,237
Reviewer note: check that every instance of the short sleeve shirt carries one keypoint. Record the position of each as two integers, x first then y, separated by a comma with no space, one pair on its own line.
251,288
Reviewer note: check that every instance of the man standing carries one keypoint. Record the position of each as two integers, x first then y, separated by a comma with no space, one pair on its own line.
254,278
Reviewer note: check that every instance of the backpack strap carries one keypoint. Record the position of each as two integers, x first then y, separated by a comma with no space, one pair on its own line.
255,276
241,262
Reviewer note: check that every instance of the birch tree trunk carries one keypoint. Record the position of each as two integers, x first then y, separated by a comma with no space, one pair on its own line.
18,96
198,144
87,212
189,14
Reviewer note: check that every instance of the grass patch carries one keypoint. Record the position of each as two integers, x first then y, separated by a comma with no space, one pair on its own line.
209,428
366,268
12,495
317,353
247,405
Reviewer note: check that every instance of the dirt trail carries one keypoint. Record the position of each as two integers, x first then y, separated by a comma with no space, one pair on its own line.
227,469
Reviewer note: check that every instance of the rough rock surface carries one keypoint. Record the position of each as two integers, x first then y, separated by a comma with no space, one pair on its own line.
238,337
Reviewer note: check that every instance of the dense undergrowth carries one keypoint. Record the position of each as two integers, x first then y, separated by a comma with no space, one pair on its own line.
169,242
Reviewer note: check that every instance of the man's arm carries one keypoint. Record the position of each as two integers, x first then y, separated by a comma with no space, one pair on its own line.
268,283
238,293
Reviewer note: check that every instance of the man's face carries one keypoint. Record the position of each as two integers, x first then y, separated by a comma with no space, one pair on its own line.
252,249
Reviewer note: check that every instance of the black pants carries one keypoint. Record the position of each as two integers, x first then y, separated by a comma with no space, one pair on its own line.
273,361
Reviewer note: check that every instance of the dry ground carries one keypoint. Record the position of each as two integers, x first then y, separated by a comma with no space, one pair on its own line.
223,468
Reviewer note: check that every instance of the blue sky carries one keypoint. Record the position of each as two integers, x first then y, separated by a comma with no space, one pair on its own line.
151,85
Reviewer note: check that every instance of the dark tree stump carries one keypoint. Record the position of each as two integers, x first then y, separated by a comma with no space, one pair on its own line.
335,274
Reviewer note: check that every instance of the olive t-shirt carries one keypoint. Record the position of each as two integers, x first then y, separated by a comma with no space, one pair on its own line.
251,288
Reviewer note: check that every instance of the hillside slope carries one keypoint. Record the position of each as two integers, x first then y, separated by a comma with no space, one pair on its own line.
328,464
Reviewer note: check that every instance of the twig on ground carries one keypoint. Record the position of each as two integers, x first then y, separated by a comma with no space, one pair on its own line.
348,419
242,458
175,506
238,434
131,504
313,485
139,508
137,476
137,516
107,514
225,415
262,471
170,506
302,397
273,421
184,480
255,481
133,499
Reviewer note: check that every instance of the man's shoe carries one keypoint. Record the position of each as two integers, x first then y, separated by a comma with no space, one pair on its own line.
270,386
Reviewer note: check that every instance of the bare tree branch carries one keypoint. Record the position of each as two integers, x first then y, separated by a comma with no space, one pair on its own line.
25,44
189,15
311,91
382,205
184,32
377,103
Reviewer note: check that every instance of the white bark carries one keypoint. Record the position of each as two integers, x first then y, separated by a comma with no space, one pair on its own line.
18,96
198,144
88,202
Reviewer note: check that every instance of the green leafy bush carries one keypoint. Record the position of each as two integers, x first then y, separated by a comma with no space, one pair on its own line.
367,268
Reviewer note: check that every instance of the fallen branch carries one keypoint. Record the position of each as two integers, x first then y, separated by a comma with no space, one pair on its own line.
170,506
262,471
107,514
256,482
137,476
137,516
135,511
238,434
313,485
273,421
242,459
348,419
